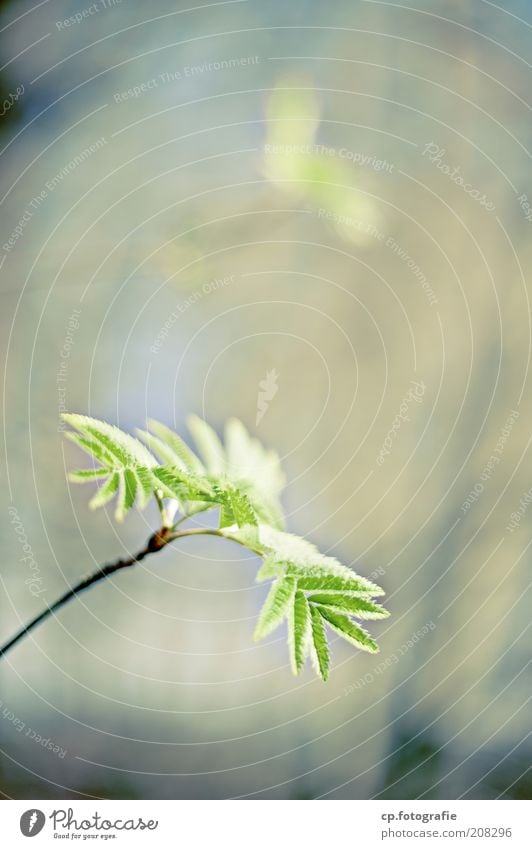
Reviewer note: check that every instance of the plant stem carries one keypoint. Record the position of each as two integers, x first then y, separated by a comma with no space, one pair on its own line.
215,532
157,541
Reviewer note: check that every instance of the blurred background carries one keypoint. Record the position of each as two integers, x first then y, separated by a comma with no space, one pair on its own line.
332,198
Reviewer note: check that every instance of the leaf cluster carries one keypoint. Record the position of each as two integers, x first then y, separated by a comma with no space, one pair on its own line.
242,481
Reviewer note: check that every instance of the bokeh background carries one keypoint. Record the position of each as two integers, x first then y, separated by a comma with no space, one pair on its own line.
197,196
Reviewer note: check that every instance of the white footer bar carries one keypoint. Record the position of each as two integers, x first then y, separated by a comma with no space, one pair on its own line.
266,824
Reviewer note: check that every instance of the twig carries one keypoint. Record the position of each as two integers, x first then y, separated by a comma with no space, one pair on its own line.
156,542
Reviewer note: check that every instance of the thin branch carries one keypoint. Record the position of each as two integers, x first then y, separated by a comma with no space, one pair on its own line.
215,532
157,541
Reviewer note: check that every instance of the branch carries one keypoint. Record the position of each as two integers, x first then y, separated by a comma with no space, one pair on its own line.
157,541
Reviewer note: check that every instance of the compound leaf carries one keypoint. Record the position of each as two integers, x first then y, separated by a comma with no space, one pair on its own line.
125,463
243,480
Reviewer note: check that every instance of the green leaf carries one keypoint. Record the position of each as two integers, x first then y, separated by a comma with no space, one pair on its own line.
105,492
348,630
278,603
357,606
236,507
227,517
92,447
127,493
177,483
208,444
321,579
267,509
336,588
289,554
127,450
160,448
182,454
243,461
146,486
82,475
299,632
244,481
271,568
257,470
320,649
125,462
314,570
